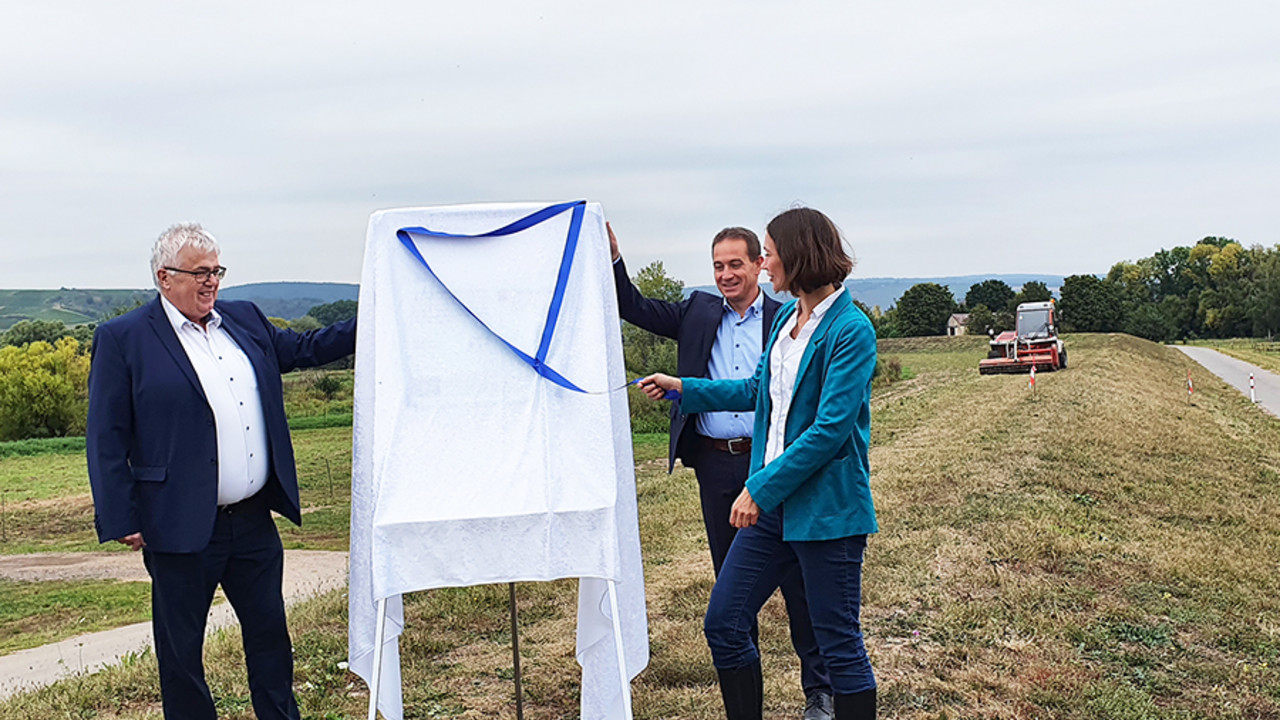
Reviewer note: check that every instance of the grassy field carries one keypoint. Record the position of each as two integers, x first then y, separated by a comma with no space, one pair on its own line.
1265,355
36,613
1098,549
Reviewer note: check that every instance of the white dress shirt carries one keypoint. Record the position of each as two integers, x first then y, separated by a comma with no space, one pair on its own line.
229,384
784,363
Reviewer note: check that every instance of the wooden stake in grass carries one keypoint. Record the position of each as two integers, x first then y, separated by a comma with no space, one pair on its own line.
328,467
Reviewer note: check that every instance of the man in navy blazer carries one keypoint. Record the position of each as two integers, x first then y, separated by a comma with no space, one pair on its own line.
722,337
189,452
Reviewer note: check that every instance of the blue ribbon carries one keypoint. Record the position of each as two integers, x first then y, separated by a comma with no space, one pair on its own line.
538,361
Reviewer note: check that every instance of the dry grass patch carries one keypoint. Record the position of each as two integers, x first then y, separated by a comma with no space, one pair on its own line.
1100,550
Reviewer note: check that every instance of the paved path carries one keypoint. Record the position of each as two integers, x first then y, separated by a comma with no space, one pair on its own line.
306,573
1236,374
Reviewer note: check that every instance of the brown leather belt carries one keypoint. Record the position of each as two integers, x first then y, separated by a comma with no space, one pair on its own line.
733,446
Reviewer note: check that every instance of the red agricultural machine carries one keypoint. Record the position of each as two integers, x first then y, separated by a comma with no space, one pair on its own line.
1033,342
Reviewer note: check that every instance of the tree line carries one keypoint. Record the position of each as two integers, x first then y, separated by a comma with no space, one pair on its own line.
1216,288
44,370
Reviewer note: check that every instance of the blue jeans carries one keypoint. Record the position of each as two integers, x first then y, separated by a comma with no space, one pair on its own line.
720,479
832,572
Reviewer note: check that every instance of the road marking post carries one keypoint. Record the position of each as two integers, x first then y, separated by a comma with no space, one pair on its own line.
1190,387
1253,398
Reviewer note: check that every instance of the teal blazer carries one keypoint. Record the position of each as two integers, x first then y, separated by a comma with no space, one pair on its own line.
822,479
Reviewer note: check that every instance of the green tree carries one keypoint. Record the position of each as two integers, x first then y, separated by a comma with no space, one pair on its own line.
304,323
44,390
334,312
994,294
1090,304
1264,301
645,353
29,331
981,319
1151,321
924,309
1032,291
653,282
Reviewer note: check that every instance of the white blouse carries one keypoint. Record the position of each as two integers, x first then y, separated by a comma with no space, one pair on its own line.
784,363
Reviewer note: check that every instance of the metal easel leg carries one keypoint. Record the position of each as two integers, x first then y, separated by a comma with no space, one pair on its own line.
378,637
515,654
623,680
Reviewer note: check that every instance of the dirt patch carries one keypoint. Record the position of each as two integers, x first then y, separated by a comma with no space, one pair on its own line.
41,567
306,572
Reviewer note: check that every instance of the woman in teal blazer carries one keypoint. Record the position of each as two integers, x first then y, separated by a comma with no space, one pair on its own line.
807,503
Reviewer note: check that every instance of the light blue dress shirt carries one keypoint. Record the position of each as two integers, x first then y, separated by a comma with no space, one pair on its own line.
734,356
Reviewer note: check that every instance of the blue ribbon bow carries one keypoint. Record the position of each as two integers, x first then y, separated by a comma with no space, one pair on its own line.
538,361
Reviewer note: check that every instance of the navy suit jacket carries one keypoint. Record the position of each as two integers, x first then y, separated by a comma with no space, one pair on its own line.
151,442
692,323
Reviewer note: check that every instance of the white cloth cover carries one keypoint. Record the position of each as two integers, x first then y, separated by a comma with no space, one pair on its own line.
468,466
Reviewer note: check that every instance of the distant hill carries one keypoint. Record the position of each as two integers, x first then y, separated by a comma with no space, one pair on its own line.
74,306
886,291
290,300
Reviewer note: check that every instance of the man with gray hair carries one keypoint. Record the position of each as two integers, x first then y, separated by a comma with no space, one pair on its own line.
189,452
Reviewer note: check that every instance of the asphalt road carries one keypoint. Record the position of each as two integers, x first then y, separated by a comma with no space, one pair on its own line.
1236,374
306,573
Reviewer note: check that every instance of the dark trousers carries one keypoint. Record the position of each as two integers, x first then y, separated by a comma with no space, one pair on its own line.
832,573
246,558
720,480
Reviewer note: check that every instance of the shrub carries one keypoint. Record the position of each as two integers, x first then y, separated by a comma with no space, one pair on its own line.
888,371
648,416
328,386
44,390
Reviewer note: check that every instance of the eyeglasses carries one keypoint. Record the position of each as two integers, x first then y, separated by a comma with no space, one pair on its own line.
202,275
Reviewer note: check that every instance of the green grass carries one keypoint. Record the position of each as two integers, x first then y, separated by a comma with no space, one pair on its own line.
36,613
1100,549
42,446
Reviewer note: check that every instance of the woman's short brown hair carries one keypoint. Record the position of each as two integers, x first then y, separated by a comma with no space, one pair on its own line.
810,249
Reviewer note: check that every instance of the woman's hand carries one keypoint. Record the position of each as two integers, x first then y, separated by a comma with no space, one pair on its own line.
745,512
657,385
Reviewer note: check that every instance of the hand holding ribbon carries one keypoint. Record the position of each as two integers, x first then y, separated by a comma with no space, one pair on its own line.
661,387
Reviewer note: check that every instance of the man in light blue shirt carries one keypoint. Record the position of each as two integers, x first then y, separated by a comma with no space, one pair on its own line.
721,338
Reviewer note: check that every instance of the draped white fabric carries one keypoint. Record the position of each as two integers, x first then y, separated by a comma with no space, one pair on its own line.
469,467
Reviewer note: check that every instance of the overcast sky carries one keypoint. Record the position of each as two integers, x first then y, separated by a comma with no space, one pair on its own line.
945,138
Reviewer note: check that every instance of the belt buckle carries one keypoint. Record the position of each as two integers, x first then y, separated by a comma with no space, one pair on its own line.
730,443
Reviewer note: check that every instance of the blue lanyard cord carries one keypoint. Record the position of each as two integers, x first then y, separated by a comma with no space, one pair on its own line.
538,362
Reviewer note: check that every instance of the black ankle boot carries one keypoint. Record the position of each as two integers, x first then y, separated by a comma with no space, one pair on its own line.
858,706
743,692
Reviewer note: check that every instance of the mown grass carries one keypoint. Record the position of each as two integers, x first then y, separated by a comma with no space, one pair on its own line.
1098,549
1262,353
47,507
36,613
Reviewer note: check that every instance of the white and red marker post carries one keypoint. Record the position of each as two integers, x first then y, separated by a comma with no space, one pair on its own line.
1190,387
1253,398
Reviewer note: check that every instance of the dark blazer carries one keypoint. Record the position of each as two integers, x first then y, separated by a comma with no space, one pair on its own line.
692,323
151,441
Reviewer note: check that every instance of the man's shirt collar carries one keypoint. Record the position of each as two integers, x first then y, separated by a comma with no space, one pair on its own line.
756,306
178,320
